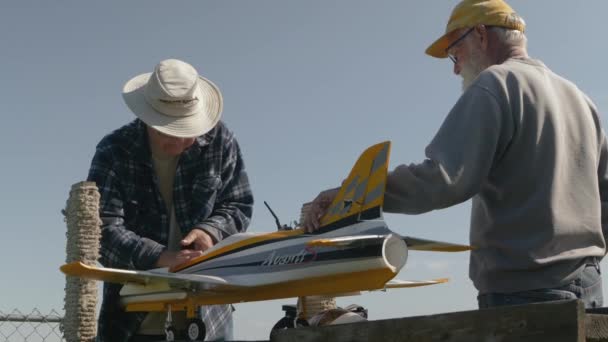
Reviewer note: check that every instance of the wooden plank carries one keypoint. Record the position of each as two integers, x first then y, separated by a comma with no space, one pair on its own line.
562,321
596,327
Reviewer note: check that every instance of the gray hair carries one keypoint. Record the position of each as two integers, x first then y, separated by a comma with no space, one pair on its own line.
510,37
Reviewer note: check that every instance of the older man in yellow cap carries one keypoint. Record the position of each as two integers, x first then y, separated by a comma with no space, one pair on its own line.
478,16
527,146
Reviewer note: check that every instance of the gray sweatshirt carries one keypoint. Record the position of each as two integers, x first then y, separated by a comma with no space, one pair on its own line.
528,147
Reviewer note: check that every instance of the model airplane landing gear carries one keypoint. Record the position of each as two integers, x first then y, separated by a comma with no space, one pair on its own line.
170,331
290,320
196,330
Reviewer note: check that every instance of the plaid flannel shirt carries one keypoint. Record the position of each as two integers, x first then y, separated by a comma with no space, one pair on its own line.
211,191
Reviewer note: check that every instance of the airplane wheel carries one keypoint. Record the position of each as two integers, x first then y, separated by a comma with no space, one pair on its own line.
289,323
170,334
284,323
301,322
196,330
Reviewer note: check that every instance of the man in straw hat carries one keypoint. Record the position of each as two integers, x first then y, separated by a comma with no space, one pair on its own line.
172,184
527,146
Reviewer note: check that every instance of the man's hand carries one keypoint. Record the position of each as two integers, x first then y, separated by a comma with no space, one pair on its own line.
194,244
197,240
170,259
318,208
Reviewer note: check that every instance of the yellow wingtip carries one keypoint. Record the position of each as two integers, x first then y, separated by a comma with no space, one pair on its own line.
66,268
73,268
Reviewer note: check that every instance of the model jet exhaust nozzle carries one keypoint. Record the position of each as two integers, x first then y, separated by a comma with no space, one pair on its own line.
394,252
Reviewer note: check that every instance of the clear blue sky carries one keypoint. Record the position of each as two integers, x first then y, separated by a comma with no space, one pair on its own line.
307,86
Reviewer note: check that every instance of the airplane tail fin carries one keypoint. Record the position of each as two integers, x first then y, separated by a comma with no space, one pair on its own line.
362,194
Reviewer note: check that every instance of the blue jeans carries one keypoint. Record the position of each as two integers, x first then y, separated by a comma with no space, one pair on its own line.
586,287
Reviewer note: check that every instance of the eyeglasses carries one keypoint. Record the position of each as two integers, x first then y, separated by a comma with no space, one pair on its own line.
454,43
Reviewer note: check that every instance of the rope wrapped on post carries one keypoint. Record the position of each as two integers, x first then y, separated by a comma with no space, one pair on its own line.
309,306
83,236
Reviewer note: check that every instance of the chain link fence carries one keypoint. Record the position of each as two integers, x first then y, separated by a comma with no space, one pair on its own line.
17,326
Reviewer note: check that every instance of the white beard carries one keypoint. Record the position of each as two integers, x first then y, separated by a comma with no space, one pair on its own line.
475,64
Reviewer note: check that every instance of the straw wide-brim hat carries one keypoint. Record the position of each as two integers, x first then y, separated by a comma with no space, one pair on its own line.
174,99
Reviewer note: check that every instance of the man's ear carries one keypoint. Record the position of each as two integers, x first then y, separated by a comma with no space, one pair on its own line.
482,32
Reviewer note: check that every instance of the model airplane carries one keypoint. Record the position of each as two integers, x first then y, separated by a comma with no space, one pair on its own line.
353,251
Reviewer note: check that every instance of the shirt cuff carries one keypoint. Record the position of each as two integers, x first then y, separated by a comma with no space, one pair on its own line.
215,234
147,253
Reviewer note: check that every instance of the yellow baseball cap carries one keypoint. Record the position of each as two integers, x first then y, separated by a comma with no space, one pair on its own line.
470,13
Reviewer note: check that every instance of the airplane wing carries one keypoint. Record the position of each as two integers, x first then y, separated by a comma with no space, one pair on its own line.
396,283
148,278
415,244
434,246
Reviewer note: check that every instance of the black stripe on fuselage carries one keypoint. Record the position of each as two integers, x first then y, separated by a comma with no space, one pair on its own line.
367,214
367,251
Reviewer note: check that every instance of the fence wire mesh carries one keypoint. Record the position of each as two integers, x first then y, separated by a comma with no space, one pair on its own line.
34,326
